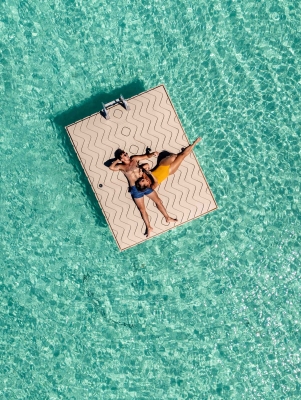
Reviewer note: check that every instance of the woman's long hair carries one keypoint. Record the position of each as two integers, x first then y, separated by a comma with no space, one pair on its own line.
138,181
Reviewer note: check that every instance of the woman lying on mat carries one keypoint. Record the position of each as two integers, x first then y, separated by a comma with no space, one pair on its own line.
167,166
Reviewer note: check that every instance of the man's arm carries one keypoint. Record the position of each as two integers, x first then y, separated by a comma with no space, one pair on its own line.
145,156
115,166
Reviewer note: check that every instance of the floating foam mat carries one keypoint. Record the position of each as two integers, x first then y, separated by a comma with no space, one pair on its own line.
150,122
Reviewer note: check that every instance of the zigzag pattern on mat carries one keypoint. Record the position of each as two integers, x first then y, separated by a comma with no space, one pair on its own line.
151,122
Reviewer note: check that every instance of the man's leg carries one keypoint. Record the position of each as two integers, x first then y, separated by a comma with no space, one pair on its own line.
141,207
156,199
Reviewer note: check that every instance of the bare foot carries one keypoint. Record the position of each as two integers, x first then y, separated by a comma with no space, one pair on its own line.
189,149
169,219
148,231
197,140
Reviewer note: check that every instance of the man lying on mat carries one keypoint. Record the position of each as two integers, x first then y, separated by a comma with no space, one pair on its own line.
167,166
132,170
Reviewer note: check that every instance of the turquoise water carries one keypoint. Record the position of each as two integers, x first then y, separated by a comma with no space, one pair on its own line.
207,311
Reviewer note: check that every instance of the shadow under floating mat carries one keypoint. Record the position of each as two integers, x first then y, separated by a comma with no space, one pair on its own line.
151,122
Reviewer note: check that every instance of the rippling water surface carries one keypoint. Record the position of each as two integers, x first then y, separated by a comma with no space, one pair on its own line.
210,310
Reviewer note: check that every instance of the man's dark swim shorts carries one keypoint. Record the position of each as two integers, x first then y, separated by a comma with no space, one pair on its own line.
136,194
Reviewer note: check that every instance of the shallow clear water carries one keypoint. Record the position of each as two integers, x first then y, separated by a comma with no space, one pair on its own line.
210,310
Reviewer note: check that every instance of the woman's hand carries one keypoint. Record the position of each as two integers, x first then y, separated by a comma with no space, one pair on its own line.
145,167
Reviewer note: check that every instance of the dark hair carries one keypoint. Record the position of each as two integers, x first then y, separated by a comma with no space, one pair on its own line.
118,153
138,185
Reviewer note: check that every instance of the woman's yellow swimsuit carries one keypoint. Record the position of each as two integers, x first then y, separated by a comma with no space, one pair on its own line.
161,173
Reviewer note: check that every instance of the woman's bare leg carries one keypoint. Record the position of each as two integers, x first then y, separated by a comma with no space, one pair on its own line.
168,160
156,199
141,207
180,157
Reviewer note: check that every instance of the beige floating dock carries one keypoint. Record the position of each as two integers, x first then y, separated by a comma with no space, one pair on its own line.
150,122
